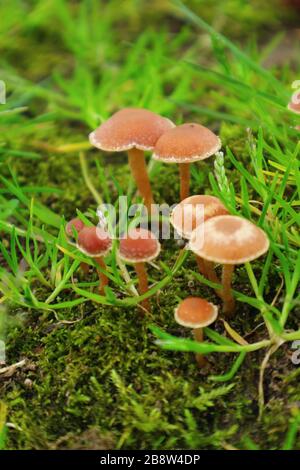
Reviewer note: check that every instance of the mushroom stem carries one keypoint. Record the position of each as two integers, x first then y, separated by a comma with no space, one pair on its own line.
212,276
199,336
211,273
141,272
102,277
84,268
228,299
136,159
201,265
184,170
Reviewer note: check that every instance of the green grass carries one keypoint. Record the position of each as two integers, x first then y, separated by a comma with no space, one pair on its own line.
95,369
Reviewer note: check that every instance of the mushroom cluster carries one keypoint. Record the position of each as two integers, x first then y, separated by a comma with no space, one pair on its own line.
213,235
138,130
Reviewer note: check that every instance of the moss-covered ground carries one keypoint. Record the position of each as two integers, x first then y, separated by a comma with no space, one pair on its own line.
94,377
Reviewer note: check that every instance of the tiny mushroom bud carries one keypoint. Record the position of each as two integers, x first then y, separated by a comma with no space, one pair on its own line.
196,313
135,131
294,104
183,145
138,247
190,213
96,243
76,225
229,240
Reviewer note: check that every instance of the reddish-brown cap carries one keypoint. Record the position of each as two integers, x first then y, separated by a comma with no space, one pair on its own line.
194,210
130,128
75,224
195,312
229,239
139,246
186,143
94,241
294,105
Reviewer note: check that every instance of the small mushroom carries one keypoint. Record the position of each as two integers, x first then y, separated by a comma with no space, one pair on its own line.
186,216
77,225
96,243
74,224
196,313
184,145
294,104
135,131
138,247
229,240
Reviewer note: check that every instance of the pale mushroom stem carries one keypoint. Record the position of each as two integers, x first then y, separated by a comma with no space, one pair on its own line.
228,299
211,273
102,277
199,336
184,170
208,270
201,265
137,163
212,276
141,272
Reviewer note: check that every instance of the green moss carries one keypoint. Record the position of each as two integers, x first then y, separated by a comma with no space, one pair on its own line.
103,378
104,372
104,375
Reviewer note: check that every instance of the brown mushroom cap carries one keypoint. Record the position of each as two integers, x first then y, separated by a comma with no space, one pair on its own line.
195,312
75,224
228,239
130,128
94,241
185,217
186,143
139,246
294,107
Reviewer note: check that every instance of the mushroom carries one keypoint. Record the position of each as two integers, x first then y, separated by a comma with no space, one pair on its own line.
294,104
135,131
229,240
183,145
186,216
196,313
96,243
76,225
139,247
